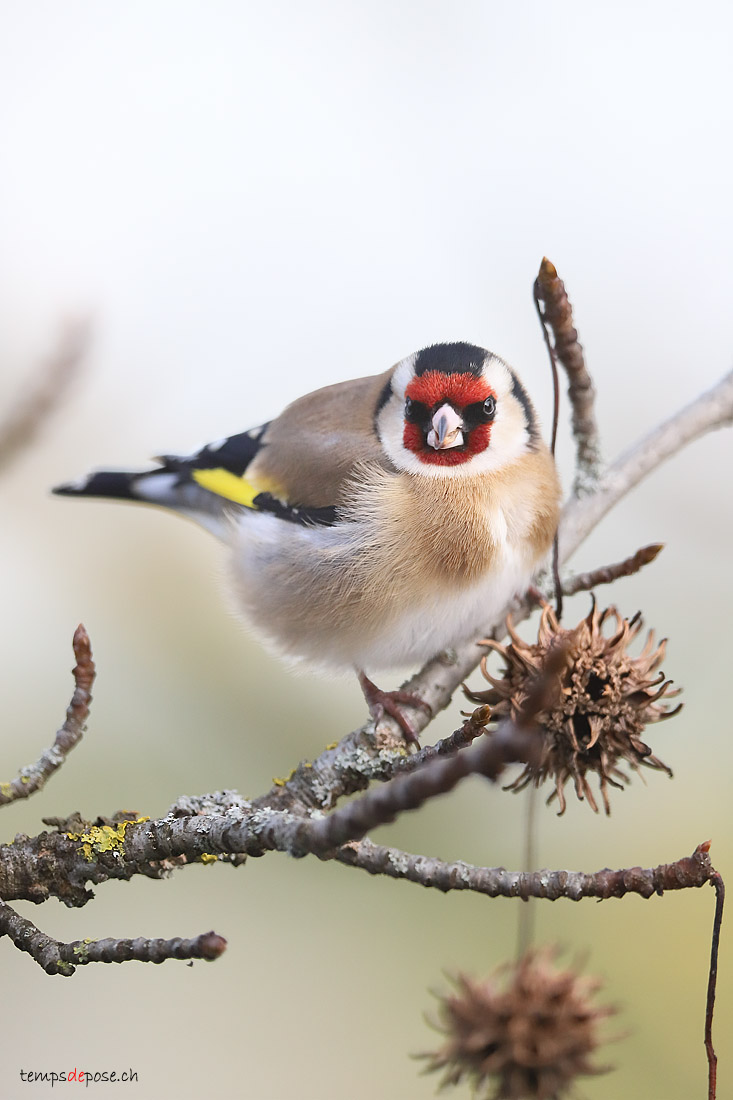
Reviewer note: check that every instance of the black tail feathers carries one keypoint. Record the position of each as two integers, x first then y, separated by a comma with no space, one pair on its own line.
105,483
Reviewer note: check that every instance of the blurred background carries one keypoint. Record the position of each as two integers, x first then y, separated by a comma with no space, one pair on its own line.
248,201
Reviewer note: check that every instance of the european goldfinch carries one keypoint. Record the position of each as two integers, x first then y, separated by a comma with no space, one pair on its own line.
375,522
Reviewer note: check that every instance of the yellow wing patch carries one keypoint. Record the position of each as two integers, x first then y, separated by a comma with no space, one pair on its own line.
226,484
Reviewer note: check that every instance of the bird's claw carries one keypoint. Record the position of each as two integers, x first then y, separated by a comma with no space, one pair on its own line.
388,702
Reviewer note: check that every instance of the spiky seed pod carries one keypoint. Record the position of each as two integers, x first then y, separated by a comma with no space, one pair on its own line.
596,715
528,1031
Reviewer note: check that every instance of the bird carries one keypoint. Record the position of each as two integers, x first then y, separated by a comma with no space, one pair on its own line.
375,522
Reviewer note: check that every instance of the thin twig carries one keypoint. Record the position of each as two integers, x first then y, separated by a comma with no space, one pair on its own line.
606,574
556,316
557,583
525,929
717,882
34,776
56,957
22,423
541,308
474,725
689,872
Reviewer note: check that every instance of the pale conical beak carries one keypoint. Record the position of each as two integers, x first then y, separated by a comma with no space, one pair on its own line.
447,429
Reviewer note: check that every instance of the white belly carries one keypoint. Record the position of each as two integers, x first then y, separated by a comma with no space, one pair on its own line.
292,584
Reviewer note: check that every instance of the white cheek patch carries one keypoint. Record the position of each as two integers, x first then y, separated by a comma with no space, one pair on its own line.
403,374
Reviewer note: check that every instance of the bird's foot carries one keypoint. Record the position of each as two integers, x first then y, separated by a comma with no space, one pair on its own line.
388,702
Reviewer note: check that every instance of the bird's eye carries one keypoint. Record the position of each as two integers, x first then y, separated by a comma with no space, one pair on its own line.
489,408
416,412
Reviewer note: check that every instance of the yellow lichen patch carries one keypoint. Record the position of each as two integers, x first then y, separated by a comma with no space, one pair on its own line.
208,857
7,791
281,782
103,838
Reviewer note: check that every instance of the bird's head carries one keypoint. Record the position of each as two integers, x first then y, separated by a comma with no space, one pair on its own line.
455,410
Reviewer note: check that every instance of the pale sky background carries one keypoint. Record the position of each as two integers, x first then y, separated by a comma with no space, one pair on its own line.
253,200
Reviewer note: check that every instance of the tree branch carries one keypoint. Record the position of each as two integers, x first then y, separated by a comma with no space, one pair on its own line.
556,315
475,724
717,882
56,957
606,574
34,776
508,744
686,873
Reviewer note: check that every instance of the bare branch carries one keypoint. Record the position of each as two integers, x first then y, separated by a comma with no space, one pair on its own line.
340,770
474,725
556,315
380,805
606,574
60,864
21,425
712,410
717,882
56,957
686,873
33,777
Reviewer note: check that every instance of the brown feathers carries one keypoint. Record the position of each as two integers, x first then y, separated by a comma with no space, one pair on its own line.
313,447
450,532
